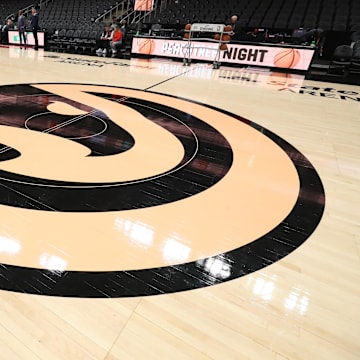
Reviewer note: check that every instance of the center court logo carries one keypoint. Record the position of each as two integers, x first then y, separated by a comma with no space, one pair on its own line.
132,193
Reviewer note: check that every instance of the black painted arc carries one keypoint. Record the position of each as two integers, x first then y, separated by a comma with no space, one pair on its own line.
268,249
101,138
185,180
8,153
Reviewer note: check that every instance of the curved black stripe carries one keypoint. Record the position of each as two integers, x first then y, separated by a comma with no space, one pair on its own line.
188,176
279,242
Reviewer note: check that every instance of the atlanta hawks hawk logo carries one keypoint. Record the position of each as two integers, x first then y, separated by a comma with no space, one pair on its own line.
111,192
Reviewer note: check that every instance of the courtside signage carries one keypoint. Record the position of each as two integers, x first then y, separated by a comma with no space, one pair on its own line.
269,56
14,38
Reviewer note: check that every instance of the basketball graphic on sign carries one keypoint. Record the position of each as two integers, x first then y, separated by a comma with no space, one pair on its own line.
223,47
225,38
146,46
287,58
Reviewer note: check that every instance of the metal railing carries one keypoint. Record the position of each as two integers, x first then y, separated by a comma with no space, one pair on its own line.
135,11
145,16
43,3
25,11
117,10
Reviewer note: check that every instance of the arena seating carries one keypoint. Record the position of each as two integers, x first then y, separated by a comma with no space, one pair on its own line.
355,59
70,24
12,7
341,59
336,15
74,41
334,19
73,15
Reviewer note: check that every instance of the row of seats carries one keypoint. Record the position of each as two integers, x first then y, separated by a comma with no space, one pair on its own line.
79,41
74,41
82,10
76,10
346,58
338,15
282,14
12,7
52,25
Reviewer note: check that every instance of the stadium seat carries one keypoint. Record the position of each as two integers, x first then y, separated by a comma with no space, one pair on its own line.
355,61
341,59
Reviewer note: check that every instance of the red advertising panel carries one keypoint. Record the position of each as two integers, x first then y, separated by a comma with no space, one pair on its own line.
144,5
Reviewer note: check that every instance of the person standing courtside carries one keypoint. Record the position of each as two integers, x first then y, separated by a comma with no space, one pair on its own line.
236,27
35,27
21,25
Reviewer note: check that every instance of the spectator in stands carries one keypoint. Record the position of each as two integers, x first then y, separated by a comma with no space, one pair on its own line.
104,42
35,27
21,25
236,27
116,40
10,24
123,28
113,24
5,30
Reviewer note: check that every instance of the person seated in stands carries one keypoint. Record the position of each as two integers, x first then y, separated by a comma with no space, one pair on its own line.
114,22
103,43
3,34
298,36
5,30
10,24
116,40
312,37
236,28
123,28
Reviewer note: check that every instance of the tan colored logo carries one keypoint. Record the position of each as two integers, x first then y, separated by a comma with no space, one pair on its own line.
123,181
146,46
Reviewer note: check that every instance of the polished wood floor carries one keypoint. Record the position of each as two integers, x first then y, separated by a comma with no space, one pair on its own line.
304,306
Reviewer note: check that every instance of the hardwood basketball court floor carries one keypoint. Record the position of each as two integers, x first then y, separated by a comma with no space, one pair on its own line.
150,210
